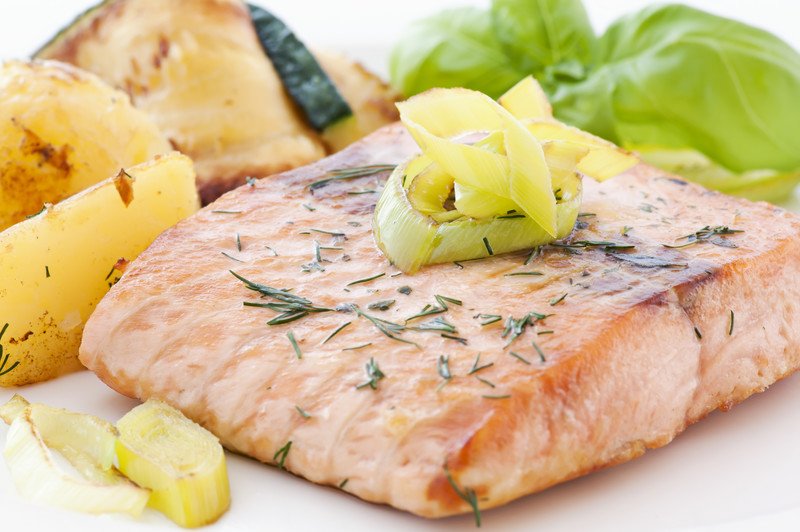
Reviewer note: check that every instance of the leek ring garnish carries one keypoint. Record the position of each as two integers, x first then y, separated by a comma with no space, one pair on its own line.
87,442
492,177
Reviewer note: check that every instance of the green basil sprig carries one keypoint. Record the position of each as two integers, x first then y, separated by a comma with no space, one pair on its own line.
715,100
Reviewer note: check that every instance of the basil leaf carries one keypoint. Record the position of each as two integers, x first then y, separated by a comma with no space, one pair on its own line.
537,34
674,77
455,48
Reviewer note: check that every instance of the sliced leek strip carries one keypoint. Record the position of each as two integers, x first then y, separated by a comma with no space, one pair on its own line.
526,99
604,160
86,441
180,461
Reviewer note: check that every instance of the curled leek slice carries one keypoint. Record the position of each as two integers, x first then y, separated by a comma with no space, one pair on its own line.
181,462
492,177
86,441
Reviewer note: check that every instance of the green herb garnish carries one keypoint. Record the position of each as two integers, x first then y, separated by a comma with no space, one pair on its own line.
443,367
383,304
352,173
476,367
488,246
730,326
293,341
467,494
232,258
519,357
362,346
556,301
539,350
281,454
4,361
712,235
290,306
335,332
374,375
366,279
302,412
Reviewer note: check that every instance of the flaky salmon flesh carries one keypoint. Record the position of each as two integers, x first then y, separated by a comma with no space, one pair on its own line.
614,341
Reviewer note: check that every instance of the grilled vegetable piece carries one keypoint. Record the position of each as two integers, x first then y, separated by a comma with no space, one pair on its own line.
302,76
62,130
183,463
199,70
86,441
56,266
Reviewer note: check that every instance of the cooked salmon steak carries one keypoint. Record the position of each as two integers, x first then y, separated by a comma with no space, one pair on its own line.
467,384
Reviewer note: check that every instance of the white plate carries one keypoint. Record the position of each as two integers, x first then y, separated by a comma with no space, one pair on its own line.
734,471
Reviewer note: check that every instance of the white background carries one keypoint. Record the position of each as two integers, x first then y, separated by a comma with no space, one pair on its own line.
734,471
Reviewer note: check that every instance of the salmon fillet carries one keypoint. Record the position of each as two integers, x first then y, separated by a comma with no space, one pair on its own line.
612,349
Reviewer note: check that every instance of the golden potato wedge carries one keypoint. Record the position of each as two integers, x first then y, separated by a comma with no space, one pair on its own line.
56,266
62,130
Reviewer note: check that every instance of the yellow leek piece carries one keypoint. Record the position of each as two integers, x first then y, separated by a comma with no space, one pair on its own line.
180,461
526,99
604,160
86,441
493,177
437,117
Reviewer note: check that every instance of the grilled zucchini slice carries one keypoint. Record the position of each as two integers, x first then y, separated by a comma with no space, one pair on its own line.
199,69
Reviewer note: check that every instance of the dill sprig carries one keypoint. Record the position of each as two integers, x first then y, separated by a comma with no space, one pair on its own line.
556,300
462,341
520,358
290,306
540,352
436,324
713,235
441,306
366,279
231,257
388,328
281,454
336,331
584,244
443,367
485,381
730,326
488,319
383,304
355,347
374,375
503,396
467,494
516,326
343,174
476,367
293,341
4,361
302,412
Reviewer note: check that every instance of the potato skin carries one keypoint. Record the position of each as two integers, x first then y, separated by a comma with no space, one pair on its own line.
56,266
62,130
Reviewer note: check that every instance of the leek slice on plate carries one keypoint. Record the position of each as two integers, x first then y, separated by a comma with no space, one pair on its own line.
492,177
180,461
86,441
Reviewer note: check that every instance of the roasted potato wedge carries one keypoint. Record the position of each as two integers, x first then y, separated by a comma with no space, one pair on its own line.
56,266
62,130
